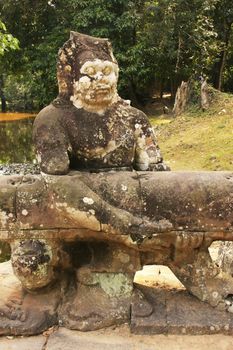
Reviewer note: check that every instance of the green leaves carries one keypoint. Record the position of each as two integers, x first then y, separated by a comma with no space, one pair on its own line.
156,42
7,41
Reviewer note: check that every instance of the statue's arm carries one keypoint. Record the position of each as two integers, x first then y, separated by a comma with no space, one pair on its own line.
147,152
50,142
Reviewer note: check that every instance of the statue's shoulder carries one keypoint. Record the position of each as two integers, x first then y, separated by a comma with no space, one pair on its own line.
53,113
126,105
136,114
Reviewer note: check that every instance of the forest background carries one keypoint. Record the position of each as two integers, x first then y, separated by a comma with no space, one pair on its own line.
157,44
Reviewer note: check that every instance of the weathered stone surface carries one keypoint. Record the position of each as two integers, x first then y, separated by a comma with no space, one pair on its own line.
107,339
116,339
114,223
156,321
187,315
150,202
35,261
19,343
190,201
21,312
103,256
120,338
32,197
225,257
177,312
79,239
8,187
89,126
98,300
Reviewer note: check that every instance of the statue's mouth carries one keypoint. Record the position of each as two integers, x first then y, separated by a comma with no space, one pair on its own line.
103,87
102,90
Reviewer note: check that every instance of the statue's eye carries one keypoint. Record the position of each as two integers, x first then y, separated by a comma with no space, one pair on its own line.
107,70
90,71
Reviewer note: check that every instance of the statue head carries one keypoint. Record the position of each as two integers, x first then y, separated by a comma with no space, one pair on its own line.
88,72
33,262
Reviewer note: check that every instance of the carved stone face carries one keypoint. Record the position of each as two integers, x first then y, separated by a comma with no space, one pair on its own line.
97,88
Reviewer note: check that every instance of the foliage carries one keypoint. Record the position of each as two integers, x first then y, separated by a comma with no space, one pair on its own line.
117,20
7,41
158,43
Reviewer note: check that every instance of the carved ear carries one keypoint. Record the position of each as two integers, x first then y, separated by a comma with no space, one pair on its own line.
110,51
77,37
72,35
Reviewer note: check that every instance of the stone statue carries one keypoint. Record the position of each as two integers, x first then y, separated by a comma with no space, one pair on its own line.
77,239
89,126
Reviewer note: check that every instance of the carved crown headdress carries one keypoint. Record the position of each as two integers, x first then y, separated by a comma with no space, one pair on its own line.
74,53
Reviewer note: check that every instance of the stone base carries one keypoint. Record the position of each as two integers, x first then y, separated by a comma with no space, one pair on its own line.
153,310
22,313
177,312
88,308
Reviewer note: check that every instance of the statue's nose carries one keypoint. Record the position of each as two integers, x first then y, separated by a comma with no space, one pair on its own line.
99,75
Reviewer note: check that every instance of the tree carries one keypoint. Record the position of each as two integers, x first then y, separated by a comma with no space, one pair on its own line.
183,37
7,43
41,28
118,20
223,19
158,43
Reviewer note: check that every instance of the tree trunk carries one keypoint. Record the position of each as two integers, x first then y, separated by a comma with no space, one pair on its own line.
205,100
2,96
221,69
178,56
223,55
182,97
3,100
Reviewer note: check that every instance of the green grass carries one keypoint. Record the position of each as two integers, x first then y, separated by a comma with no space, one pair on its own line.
198,140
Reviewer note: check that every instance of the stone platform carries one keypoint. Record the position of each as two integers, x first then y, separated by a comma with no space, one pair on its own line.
175,311
75,249
118,338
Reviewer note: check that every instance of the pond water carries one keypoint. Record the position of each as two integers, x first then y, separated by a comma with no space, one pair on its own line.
16,138
4,251
15,147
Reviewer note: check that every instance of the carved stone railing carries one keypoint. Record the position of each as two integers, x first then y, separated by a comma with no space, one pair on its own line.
78,240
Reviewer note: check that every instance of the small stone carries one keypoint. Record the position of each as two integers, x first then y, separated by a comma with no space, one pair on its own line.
137,126
215,294
87,200
124,188
24,212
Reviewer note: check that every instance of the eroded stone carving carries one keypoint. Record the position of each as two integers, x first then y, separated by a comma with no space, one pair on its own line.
89,126
77,240
81,246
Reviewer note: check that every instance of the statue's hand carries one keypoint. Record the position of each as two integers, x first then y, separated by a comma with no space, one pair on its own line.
159,167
